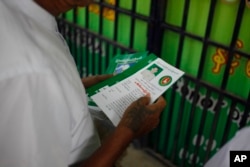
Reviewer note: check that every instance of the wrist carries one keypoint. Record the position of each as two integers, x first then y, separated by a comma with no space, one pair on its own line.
125,132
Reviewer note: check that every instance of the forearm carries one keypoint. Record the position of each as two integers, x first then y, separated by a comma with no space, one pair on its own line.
138,119
111,149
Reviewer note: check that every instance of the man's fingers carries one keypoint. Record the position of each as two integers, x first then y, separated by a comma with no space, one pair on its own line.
161,102
159,105
103,77
144,100
92,80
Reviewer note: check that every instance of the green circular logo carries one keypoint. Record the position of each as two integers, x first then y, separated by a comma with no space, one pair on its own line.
166,80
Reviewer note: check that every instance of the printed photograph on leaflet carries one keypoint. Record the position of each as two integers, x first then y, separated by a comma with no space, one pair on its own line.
151,76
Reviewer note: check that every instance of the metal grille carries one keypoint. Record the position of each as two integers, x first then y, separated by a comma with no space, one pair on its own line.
201,114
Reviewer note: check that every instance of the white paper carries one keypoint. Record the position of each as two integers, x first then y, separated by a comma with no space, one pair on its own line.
153,79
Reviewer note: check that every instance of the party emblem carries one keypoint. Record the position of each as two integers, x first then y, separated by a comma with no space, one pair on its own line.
166,80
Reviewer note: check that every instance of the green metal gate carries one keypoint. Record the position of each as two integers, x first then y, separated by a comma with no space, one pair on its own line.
208,39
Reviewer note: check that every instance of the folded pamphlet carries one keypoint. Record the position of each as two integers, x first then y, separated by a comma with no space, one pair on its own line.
151,75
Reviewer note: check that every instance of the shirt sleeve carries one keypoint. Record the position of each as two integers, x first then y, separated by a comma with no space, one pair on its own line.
30,133
239,142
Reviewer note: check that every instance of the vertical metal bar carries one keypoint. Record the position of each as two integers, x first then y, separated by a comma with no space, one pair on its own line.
75,15
116,24
107,53
87,17
201,127
101,55
85,56
87,53
87,50
233,43
100,31
207,34
77,49
155,30
183,28
214,126
190,123
98,56
171,108
63,15
74,36
228,123
180,48
80,37
92,53
132,27
161,14
96,48
150,32
62,28
74,44
178,122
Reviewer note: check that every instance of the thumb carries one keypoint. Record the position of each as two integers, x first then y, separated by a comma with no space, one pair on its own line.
145,100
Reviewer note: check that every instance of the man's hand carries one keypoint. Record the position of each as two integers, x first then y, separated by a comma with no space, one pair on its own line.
92,80
141,117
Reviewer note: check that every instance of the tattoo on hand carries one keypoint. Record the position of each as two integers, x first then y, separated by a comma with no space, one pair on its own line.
136,115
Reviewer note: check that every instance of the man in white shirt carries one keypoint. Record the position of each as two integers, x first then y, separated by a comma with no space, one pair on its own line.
44,120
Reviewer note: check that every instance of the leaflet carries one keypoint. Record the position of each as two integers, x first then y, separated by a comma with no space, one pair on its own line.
151,76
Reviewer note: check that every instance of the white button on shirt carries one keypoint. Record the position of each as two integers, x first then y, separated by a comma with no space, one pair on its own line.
44,120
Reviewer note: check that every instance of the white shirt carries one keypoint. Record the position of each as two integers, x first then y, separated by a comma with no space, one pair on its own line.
239,142
44,120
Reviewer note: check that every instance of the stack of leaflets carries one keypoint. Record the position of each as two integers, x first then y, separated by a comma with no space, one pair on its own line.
149,75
